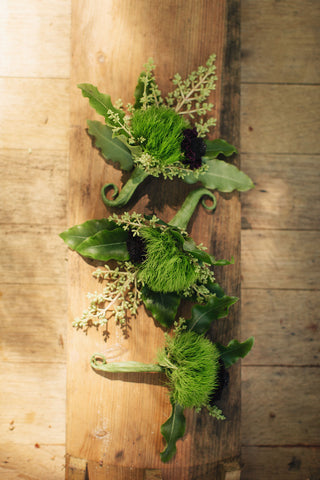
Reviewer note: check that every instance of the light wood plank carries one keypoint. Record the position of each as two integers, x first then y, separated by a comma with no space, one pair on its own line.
34,186
285,324
27,462
280,406
34,114
33,255
32,325
34,399
34,41
292,463
279,41
286,193
280,119
280,259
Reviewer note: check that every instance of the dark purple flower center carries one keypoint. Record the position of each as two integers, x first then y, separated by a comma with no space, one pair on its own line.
136,247
193,148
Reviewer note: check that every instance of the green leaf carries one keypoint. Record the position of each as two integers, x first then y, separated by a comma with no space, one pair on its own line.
138,93
218,147
222,261
74,236
135,150
172,430
99,101
190,246
106,245
234,350
203,315
163,306
221,176
111,148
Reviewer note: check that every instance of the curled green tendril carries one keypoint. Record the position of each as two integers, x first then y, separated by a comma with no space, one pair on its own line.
182,218
119,199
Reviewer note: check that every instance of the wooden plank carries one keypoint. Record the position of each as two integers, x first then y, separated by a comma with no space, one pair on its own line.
280,259
35,40
279,41
30,462
280,406
291,463
33,254
34,186
40,418
34,114
285,325
286,193
280,119
100,427
38,314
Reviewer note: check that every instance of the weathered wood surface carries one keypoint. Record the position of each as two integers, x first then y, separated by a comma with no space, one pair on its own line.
105,421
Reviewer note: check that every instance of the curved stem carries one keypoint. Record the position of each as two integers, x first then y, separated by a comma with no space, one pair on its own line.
98,362
122,198
182,218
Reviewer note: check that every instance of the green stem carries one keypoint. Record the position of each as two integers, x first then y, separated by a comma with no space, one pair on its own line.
182,218
122,198
98,362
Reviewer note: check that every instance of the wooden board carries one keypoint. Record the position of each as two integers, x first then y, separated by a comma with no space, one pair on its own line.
106,424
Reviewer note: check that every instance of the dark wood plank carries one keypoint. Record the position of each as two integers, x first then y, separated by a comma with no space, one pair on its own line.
286,193
100,37
285,324
285,463
280,406
279,41
280,119
280,259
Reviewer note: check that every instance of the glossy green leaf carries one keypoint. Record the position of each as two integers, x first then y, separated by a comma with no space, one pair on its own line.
106,245
221,176
172,430
203,315
190,246
234,351
99,101
222,261
163,306
111,148
219,147
74,236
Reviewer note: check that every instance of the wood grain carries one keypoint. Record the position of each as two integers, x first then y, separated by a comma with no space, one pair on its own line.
38,117
100,426
35,40
279,199
280,118
280,406
280,259
33,186
285,463
285,325
279,40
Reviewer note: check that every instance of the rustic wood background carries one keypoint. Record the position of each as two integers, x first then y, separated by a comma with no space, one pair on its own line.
280,237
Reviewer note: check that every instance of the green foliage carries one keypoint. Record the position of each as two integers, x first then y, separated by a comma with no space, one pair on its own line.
111,148
172,430
221,176
105,245
147,92
234,351
74,236
100,102
163,306
167,268
159,130
219,147
191,365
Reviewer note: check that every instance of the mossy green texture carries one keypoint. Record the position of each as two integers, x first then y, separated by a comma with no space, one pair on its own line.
162,129
167,267
191,363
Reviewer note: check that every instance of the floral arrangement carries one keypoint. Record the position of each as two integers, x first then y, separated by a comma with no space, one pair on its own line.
155,263
164,136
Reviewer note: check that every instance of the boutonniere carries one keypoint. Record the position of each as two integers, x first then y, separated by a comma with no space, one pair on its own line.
164,136
195,370
158,264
